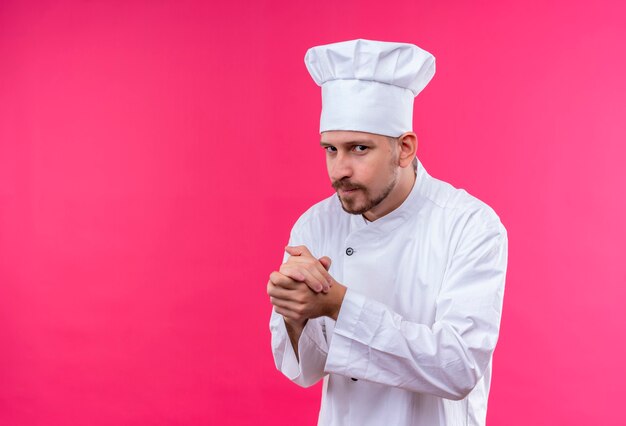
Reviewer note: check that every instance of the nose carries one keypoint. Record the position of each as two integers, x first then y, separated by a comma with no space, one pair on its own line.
339,167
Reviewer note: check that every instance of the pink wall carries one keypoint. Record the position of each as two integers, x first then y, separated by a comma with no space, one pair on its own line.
154,155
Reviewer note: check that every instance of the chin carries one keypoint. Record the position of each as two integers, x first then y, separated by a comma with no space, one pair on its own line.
353,208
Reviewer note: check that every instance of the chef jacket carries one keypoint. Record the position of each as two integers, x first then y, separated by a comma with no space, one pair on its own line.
414,338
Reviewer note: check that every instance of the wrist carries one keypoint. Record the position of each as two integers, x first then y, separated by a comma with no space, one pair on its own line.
295,324
337,301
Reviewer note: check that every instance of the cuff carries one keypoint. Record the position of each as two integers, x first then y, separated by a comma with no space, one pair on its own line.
345,354
311,339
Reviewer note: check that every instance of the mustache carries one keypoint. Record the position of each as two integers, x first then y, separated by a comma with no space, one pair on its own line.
346,185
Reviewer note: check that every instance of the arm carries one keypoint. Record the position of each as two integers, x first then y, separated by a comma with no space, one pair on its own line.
294,331
298,343
373,343
307,368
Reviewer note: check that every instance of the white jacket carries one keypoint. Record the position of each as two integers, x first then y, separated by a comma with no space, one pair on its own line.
414,338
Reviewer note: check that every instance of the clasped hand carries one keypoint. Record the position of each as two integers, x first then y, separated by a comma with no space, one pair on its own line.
302,288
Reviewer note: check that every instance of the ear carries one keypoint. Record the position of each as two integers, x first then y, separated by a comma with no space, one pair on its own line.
408,148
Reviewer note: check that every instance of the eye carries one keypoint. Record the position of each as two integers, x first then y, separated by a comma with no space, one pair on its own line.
330,149
360,148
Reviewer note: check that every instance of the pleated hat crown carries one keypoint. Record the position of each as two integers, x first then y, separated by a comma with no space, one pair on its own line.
369,86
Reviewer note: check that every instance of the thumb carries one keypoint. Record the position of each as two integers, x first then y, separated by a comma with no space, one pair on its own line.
297,250
326,262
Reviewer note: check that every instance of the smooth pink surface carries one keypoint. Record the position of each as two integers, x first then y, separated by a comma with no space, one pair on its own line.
154,155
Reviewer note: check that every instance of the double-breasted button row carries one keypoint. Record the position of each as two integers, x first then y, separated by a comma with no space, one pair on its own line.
350,252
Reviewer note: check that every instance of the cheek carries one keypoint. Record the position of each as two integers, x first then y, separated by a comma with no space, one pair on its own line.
378,178
374,171
329,166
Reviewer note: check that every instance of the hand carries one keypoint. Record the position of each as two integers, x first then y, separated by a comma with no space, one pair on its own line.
303,266
296,302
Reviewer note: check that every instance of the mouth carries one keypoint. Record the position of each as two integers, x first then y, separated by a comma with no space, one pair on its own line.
346,191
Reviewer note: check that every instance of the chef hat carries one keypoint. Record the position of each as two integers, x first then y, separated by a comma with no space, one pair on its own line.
369,86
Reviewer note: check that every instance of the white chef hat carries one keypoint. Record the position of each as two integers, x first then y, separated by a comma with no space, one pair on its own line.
369,86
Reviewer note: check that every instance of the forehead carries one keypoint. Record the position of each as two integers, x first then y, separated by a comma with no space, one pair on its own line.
337,137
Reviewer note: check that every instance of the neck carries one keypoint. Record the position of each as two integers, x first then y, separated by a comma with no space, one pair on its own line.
396,197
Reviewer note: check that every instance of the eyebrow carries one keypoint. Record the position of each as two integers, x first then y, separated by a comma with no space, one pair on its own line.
359,142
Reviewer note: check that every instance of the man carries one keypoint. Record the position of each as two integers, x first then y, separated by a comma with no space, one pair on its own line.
391,291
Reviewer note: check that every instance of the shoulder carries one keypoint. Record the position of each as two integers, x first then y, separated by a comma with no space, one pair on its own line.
465,209
473,229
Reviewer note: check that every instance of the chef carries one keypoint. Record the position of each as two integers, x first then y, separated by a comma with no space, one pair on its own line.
391,289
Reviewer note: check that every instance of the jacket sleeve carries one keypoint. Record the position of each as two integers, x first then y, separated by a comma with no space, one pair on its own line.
312,345
447,359
312,349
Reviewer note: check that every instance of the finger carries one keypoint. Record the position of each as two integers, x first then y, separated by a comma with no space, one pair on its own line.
326,262
291,309
322,274
292,272
312,264
292,251
302,276
298,250
282,280
311,273
286,313
285,304
314,280
276,292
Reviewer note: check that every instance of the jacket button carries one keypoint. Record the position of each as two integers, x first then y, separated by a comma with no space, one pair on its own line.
349,251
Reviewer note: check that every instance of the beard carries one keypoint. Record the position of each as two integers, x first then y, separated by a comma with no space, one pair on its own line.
353,206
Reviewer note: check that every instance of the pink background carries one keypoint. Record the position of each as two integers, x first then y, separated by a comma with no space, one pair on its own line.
154,155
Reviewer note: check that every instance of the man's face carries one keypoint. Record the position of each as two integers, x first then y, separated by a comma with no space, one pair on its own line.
363,168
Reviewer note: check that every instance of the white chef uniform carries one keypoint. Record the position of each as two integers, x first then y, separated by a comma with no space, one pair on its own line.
420,319
414,338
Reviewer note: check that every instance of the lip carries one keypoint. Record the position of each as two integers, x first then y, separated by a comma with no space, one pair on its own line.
348,191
